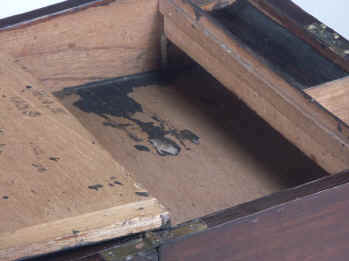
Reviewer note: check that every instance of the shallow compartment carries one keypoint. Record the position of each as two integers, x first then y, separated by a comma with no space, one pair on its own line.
190,142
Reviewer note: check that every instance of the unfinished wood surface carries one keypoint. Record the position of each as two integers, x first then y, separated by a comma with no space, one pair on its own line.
304,123
227,155
58,187
119,38
334,96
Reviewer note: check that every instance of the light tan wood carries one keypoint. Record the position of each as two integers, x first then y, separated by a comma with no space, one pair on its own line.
306,125
334,96
55,176
239,158
117,39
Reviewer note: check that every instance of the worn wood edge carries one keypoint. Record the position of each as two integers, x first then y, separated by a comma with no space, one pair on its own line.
82,230
48,12
298,24
325,129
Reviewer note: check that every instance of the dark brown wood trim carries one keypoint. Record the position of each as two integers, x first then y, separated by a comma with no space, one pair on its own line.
327,42
276,199
48,12
312,227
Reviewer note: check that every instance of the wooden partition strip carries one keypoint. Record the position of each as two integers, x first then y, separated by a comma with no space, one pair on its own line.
286,108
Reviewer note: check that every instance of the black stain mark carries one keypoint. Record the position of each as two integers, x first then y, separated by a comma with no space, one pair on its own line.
95,187
56,159
111,185
142,148
39,167
113,103
5,197
2,132
28,87
75,232
142,194
118,183
139,209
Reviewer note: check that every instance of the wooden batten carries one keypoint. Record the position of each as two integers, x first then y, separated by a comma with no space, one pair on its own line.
304,123
119,38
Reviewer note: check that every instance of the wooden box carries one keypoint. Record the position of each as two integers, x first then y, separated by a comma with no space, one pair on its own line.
179,130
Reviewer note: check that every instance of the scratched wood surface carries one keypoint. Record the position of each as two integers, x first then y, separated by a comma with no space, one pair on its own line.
58,187
105,40
334,97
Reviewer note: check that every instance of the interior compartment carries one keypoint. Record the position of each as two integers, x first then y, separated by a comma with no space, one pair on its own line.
192,144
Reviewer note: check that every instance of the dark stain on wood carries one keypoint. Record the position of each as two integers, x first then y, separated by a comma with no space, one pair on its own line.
56,159
112,100
40,168
290,56
142,148
96,187
5,197
142,194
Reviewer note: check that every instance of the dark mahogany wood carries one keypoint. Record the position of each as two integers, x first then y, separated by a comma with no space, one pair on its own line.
313,227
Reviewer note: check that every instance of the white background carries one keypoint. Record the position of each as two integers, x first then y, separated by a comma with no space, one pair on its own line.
334,13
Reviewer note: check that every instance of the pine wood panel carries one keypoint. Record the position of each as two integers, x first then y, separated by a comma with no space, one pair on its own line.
119,38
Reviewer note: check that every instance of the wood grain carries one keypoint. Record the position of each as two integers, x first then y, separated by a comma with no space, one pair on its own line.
334,96
231,155
120,38
55,177
304,123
